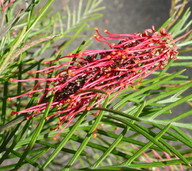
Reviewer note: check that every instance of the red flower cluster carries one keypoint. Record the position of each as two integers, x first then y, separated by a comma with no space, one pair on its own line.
134,57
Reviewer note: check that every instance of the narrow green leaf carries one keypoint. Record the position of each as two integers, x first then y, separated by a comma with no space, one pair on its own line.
79,10
65,140
141,130
170,106
28,160
41,13
182,64
181,116
49,145
87,7
176,152
184,57
87,138
117,112
8,58
118,140
150,87
7,167
4,103
15,141
35,134
68,18
147,146
93,90
168,93
100,147
165,122
126,139
148,165
183,135
185,43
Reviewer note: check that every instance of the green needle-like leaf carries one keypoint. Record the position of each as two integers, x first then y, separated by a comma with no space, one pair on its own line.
117,141
65,140
170,106
149,144
88,137
35,134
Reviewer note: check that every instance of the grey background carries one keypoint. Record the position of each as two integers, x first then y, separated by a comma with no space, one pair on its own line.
127,16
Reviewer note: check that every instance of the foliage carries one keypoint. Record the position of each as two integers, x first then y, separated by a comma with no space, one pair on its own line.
128,133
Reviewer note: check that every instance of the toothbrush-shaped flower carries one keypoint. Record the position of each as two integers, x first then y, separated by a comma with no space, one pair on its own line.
134,57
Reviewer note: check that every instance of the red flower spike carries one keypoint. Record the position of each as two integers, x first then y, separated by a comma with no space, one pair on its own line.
9,4
135,56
